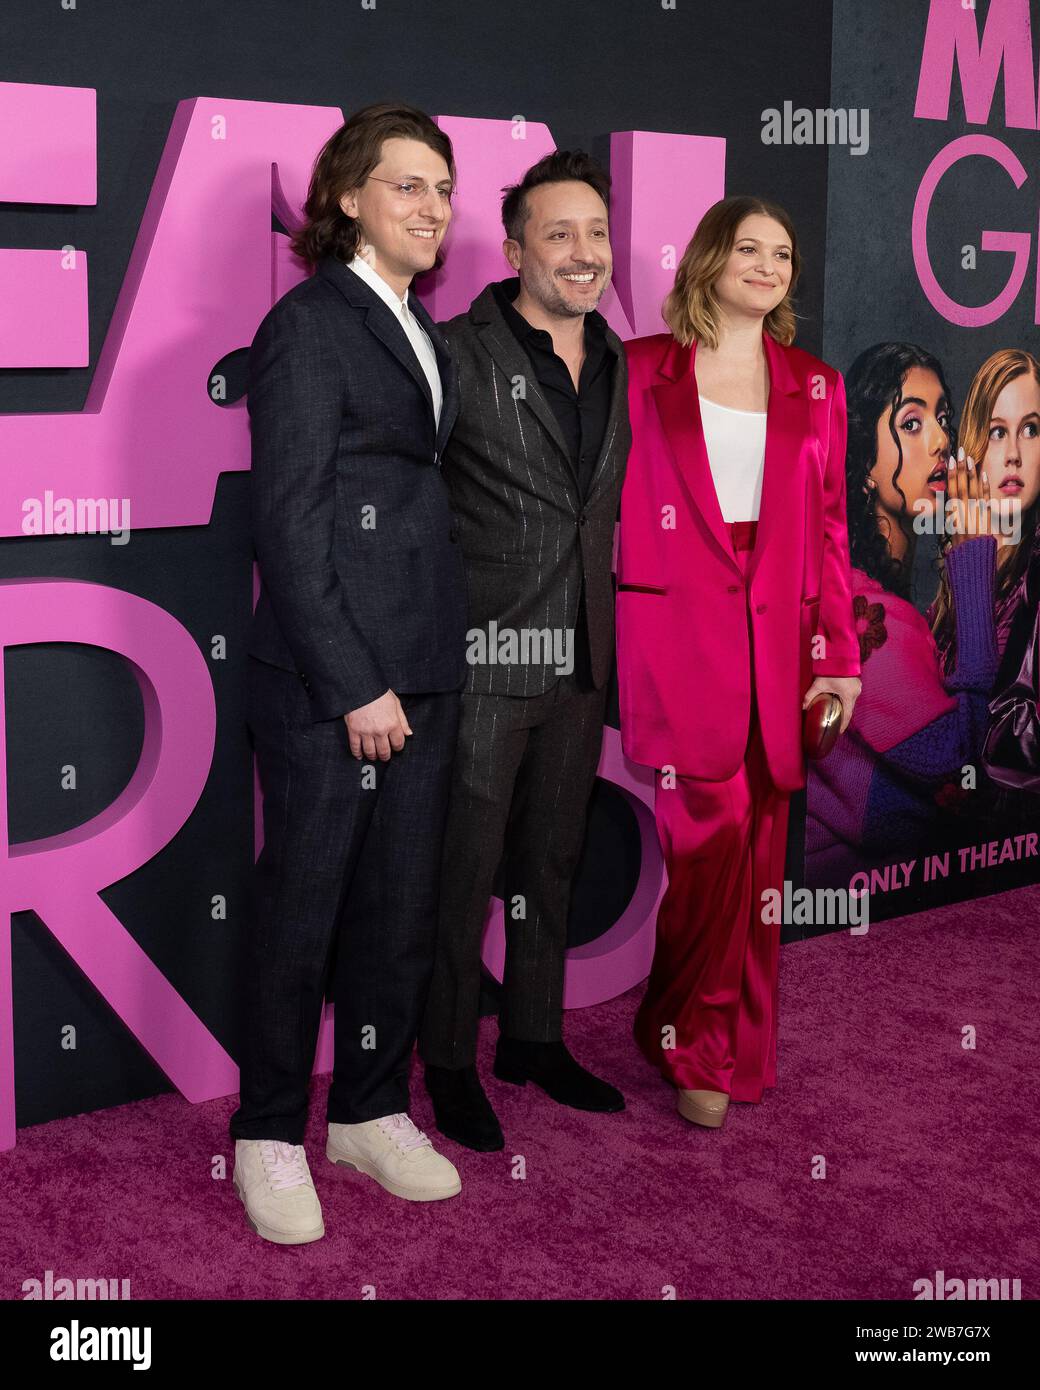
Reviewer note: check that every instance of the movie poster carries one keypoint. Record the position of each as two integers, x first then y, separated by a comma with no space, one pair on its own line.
932,303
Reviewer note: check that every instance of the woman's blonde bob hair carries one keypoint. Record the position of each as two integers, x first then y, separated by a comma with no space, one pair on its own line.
691,309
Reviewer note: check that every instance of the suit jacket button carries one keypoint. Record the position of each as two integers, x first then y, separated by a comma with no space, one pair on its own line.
582,520
732,588
761,608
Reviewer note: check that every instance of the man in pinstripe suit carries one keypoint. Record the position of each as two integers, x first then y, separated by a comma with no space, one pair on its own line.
534,469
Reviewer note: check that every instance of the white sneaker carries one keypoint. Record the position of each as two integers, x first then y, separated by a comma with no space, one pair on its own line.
397,1155
274,1183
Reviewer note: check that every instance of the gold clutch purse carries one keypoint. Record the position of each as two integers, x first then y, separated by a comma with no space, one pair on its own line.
821,724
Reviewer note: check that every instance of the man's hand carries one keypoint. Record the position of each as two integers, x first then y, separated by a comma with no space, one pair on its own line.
377,727
846,688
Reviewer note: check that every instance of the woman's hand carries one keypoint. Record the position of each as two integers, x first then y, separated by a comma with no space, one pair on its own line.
846,688
971,514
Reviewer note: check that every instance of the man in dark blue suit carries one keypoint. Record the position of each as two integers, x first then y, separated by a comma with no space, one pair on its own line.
356,660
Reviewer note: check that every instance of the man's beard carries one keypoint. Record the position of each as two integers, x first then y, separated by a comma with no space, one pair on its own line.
553,301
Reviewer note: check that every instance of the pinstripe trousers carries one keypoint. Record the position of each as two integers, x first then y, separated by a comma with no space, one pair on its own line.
523,774
345,901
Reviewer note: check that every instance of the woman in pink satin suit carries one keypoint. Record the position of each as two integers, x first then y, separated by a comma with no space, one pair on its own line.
734,610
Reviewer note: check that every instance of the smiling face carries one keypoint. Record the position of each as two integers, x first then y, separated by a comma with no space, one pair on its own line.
565,262
403,232
1013,447
922,423
757,275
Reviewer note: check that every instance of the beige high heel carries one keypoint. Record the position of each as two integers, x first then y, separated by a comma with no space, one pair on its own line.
707,1108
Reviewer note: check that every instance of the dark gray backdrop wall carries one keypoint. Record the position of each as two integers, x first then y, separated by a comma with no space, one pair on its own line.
585,69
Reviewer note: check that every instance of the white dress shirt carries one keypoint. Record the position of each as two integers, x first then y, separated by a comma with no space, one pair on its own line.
736,444
414,331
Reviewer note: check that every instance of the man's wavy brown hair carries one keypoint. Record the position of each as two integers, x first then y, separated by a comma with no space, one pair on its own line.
345,162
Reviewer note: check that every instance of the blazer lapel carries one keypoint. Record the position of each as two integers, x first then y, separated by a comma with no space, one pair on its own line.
618,404
679,410
514,362
680,414
388,330
449,373
380,320
785,432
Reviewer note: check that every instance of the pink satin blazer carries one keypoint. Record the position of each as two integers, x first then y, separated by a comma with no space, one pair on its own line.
683,604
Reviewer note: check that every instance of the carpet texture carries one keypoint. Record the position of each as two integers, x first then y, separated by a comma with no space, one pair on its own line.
929,1151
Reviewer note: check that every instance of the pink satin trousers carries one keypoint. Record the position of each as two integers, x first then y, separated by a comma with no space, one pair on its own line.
708,1018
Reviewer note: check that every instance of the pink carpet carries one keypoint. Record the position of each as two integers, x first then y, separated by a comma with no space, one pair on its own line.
930,1152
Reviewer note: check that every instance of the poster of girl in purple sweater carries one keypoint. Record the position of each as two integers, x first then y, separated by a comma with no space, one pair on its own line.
906,783
1000,429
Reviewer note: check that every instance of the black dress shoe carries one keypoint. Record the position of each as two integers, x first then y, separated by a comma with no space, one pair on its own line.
550,1066
462,1110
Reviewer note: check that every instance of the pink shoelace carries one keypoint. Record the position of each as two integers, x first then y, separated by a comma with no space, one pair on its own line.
284,1164
403,1132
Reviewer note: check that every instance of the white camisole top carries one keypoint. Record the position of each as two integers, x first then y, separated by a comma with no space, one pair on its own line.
736,444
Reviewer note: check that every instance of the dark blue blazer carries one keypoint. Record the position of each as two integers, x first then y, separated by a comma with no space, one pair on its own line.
363,585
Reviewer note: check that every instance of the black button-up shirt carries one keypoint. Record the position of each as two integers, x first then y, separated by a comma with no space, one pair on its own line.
582,414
